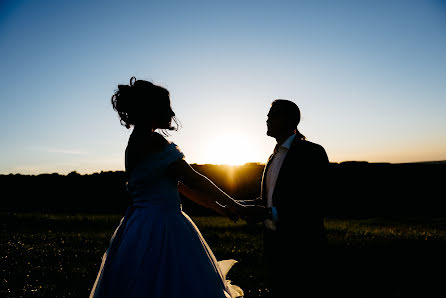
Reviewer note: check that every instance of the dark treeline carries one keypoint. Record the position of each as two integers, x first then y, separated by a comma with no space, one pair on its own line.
352,189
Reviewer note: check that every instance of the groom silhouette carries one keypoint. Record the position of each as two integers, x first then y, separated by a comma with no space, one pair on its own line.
291,207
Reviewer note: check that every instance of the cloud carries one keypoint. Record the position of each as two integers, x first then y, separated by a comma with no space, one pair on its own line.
66,151
59,150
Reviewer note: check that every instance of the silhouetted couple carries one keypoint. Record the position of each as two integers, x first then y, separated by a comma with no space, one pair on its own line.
157,250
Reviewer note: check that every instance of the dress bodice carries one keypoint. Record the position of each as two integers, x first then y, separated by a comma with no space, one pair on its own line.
149,183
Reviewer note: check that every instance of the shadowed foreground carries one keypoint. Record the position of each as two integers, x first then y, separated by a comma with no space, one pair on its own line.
57,255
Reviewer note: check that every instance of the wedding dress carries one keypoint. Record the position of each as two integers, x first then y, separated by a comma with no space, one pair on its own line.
157,251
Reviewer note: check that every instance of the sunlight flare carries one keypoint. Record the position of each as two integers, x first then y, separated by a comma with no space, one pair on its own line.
228,150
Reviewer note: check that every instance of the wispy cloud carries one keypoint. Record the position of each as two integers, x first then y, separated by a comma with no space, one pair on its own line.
66,151
59,150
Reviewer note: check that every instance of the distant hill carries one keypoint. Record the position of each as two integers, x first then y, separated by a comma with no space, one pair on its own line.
352,189
432,162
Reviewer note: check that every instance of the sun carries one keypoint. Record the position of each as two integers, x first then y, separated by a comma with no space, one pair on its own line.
227,150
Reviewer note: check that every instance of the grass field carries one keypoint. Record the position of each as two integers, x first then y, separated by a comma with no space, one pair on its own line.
58,255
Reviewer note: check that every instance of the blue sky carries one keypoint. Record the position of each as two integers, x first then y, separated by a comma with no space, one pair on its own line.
369,77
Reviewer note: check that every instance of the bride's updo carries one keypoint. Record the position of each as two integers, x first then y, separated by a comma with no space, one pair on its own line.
142,102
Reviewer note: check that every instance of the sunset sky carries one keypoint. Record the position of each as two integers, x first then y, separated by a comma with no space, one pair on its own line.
368,76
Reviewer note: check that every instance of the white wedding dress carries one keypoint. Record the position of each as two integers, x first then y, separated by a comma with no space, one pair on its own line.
157,251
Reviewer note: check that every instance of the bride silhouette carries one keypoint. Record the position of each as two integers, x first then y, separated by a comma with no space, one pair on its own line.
157,250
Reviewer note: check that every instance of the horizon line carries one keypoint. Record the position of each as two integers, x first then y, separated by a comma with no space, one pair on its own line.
233,166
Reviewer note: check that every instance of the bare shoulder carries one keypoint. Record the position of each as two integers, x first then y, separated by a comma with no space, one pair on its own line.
146,143
157,141
184,172
141,146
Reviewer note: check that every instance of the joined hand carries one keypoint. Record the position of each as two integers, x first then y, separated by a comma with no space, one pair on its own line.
253,213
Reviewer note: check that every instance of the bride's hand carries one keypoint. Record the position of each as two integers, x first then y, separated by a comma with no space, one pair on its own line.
254,213
232,216
227,212
237,208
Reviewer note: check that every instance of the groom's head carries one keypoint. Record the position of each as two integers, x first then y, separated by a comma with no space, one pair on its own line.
283,118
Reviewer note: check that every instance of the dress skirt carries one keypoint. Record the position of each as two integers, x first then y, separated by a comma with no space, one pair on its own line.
159,252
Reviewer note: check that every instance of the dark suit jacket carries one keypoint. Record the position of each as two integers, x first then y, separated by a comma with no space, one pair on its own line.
298,194
299,241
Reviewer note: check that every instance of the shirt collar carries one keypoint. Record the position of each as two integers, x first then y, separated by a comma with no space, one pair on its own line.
288,142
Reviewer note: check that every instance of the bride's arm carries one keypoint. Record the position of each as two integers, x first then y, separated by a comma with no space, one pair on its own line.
206,192
205,202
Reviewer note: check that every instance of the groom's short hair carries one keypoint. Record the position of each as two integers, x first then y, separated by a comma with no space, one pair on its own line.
288,109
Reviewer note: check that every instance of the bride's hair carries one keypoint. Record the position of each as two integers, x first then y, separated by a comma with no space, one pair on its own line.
142,101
